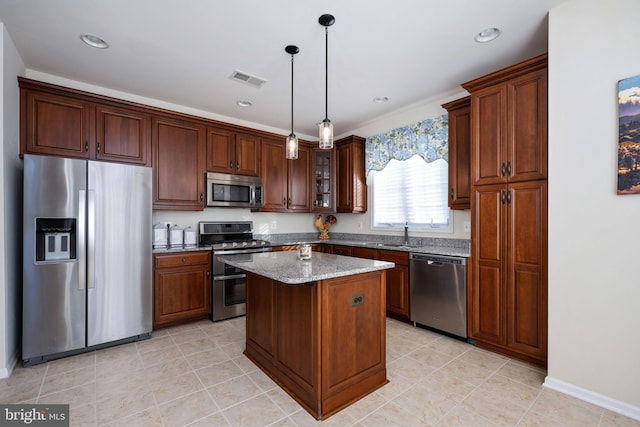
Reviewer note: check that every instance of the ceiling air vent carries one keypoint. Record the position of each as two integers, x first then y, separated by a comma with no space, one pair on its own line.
254,81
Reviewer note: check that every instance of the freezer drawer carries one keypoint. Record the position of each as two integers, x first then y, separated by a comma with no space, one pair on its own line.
438,292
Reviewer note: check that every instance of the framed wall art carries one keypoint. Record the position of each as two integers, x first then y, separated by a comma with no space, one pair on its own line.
629,136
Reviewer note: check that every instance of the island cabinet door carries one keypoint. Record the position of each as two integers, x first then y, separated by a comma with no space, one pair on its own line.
260,324
297,346
353,336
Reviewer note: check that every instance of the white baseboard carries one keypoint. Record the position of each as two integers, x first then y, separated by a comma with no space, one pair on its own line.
592,397
6,371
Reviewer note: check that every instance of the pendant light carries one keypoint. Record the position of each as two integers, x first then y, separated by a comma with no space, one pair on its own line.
326,127
291,146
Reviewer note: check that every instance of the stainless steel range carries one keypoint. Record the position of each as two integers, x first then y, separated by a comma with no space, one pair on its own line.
229,283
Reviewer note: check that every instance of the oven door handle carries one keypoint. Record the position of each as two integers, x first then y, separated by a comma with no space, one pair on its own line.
234,276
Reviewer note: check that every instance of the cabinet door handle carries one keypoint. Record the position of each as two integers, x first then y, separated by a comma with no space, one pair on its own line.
184,260
508,197
503,168
509,168
289,201
98,148
451,193
230,164
502,196
201,197
238,165
284,201
86,146
208,274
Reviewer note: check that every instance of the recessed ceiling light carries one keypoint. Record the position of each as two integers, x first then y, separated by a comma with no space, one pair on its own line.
380,99
94,41
244,103
487,35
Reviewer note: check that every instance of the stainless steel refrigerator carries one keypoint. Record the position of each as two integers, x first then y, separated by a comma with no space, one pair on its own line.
87,273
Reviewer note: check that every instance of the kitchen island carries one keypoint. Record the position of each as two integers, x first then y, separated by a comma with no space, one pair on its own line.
316,327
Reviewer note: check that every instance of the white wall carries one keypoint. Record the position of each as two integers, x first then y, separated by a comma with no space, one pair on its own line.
594,281
10,206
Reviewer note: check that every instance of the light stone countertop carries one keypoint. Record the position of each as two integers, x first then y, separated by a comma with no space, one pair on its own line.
286,267
180,248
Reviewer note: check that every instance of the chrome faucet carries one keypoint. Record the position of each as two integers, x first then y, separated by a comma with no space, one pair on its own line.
406,233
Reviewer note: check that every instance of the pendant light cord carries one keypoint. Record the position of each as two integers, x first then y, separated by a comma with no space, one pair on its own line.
292,94
326,73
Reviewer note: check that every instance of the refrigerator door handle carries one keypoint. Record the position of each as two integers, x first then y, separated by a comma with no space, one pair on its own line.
82,265
91,247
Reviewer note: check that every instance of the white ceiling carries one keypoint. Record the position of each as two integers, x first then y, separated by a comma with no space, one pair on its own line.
184,52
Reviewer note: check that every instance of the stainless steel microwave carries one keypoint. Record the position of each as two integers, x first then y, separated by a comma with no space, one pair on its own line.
226,190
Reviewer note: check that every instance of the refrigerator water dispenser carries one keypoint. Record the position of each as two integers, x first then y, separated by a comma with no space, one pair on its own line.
55,239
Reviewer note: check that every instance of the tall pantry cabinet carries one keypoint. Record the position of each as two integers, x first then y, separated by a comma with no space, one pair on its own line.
508,286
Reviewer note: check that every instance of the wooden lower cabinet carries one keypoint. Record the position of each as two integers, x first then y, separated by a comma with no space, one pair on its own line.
397,284
309,338
508,287
181,287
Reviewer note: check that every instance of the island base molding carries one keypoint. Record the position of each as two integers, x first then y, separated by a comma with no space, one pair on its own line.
325,349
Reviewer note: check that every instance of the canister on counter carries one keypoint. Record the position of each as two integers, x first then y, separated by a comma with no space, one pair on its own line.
304,251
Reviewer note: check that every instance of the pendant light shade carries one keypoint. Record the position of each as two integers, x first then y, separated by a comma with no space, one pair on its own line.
326,127
291,145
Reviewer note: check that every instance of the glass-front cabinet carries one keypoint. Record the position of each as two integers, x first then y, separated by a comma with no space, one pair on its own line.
324,186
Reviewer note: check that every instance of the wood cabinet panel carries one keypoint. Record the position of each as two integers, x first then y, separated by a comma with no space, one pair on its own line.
508,288
367,253
234,153
527,100
398,301
260,318
299,173
285,181
527,268
342,250
182,289
55,125
297,355
327,353
323,180
64,122
248,148
459,113
221,147
178,164
358,346
351,178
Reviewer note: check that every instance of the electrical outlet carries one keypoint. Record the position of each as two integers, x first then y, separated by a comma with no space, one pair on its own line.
360,225
467,226
274,224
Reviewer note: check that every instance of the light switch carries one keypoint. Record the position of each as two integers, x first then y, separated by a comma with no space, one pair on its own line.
467,226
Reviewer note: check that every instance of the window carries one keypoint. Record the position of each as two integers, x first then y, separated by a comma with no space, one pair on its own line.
412,191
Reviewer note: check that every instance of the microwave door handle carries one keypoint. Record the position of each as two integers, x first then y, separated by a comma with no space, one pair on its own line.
253,195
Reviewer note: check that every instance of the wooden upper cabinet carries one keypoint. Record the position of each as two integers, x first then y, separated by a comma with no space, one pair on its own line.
323,180
63,122
179,148
459,113
285,183
55,124
234,153
509,124
123,135
299,172
351,178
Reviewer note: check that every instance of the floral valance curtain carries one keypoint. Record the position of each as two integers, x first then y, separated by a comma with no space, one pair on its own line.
427,138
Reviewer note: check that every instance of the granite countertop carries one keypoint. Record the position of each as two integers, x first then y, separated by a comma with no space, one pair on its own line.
286,267
415,248
180,248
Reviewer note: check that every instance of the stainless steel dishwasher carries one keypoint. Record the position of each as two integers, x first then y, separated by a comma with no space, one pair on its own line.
438,292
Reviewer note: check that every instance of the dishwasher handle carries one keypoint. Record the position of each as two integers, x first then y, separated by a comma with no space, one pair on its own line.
437,260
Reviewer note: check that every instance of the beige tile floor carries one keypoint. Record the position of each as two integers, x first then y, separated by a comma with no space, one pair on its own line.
196,375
